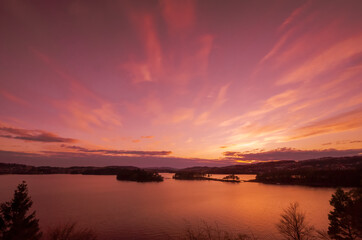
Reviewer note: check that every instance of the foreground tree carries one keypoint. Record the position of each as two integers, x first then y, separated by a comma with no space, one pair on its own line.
15,223
345,220
293,226
70,232
205,231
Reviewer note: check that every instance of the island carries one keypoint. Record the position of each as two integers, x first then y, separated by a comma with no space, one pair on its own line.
183,175
138,175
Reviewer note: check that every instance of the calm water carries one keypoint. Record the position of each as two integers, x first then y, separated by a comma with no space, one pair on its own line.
130,210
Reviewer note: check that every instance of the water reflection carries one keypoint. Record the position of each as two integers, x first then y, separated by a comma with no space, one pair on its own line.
131,210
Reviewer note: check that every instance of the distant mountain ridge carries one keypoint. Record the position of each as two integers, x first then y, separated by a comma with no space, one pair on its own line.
329,163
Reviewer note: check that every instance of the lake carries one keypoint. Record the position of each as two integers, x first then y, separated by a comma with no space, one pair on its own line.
131,210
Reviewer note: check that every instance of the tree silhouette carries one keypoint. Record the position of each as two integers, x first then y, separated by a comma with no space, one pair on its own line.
293,226
231,177
345,220
70,231
15,224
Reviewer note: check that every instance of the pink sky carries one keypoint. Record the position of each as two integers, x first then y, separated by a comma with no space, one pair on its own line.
179,82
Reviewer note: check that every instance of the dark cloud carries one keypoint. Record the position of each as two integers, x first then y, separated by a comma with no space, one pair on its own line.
289,154
68,159
32,135
118,152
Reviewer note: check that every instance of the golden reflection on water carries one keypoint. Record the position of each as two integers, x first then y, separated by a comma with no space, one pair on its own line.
130,210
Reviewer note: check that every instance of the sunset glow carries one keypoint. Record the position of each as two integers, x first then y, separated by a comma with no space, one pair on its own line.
179,83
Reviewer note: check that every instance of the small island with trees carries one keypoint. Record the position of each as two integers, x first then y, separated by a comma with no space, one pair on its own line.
138,175
181,175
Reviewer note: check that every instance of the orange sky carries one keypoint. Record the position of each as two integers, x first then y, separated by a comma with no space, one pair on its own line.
179,82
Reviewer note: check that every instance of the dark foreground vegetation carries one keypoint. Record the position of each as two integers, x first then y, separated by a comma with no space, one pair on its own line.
138,175
17,222
70,231
345,222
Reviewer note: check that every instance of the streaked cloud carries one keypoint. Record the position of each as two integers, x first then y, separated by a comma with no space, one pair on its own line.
32,135
289,154
84,108
327,60
272,103
342,142
182,114
150,69
342,122
294,15
179,14
85,116
326,144
118,152
147,137
13,98
68,159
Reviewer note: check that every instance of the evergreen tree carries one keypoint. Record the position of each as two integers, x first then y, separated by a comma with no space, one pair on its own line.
15,223
345,220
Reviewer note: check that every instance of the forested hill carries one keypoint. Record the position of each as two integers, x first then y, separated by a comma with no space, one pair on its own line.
330,163
340,163
6,168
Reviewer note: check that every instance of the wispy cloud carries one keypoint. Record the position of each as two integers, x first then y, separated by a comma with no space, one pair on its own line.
219,101
342,122
148,137
160,57
84,109
118,152
13,98
85,116
327,60
182,114
32,135
343,142
150,69
294,15
270,104
289,154
179,15
326,144
67,159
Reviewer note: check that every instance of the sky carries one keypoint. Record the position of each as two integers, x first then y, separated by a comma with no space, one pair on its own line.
179,83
